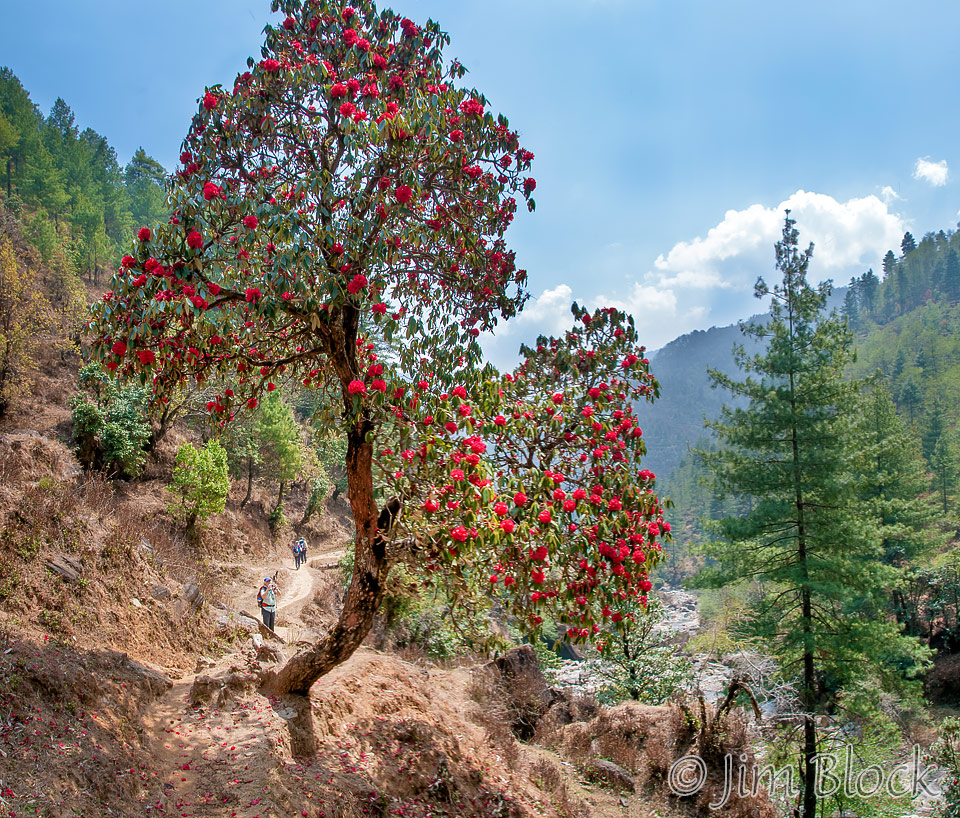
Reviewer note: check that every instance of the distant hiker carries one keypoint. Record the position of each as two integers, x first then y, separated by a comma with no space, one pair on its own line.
267,600
303,551
296,554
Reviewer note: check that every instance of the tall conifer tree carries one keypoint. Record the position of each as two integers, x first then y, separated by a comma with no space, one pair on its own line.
812,550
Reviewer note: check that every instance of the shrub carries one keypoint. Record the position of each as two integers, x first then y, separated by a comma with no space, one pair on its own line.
201,481
109,424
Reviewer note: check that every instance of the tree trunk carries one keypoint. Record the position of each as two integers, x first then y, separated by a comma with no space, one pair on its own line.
367,585
246,498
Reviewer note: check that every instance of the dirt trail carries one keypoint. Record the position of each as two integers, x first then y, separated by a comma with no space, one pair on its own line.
214,761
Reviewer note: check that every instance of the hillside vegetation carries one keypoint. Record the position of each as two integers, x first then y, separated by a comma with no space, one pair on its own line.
129,666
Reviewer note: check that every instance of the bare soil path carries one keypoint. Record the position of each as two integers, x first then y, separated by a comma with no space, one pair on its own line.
216,761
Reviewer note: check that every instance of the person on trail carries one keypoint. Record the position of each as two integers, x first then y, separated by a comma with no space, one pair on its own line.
303,551
267,600
296,554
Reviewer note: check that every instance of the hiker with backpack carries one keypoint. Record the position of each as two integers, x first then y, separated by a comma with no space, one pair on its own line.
296,554
267,600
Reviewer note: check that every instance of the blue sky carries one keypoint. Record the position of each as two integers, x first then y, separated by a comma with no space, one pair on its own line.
669,134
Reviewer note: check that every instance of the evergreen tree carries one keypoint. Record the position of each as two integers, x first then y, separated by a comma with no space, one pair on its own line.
281,442
145,179
889,263
945,463
810,545
910,398
892,488
951,275
867,286
908,244
851,306
935,424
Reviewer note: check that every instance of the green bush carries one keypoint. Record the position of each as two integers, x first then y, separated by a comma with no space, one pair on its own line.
201,482
110,425
639,666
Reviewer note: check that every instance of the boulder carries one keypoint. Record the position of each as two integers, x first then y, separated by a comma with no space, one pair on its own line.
192,594
218,690
160,592
269,654
609,774
67,567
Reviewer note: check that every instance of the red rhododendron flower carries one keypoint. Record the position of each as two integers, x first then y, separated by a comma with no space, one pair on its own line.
146,356
144,234
501,509
210,191
348,109
210,101
128,261
119,349
519,498
508,525
456,135
251,294
544,516
250,222
271,66
347,13
194,240
404,194
380,309
529,185
357,388
252,403
338,90
379,61
271,386
459,534
357,283
214,288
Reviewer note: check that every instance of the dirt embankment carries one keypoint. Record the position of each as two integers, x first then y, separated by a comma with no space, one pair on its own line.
128,681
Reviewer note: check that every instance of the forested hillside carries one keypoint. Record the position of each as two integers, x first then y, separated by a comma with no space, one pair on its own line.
77,202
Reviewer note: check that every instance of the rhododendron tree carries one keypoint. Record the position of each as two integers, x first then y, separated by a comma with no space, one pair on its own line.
337,224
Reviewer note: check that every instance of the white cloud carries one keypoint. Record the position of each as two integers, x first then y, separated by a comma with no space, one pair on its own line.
935,173
848,237
888,194
709,279
645,304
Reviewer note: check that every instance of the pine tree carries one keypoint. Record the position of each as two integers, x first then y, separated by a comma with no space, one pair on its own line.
945,463
889,263
892,488
811,547
281,441
908,244
851,306
951,275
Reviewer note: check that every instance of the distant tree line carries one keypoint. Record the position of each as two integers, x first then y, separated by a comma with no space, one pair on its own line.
68,186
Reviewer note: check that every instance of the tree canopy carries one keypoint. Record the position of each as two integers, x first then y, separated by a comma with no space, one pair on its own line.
338,222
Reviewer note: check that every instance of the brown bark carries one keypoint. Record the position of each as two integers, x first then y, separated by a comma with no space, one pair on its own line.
246,498
367,585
